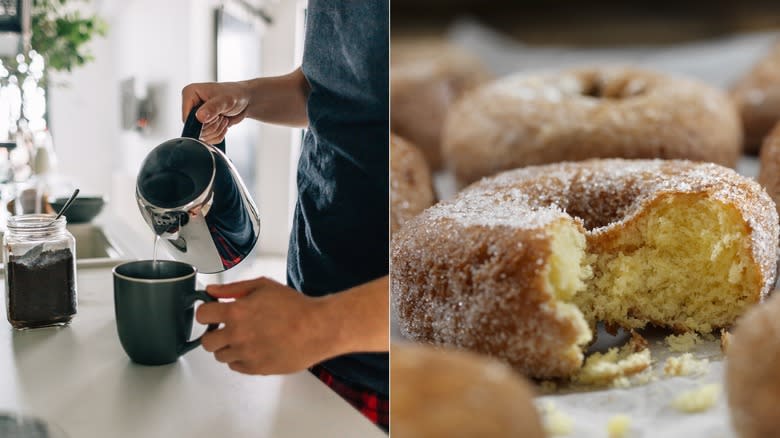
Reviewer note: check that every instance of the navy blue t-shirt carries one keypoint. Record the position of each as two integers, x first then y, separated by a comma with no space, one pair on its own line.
340,229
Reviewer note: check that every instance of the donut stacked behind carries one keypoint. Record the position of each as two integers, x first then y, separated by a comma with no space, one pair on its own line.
769,172
752,374
522,265
757,97
526,120
440,393
425,82
411,187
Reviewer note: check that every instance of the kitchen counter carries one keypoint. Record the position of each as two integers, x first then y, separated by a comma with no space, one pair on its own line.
79,378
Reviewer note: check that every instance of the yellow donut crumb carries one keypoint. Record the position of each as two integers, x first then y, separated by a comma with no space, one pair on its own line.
618,426
556,423
698,399
685,365
607,368
682,343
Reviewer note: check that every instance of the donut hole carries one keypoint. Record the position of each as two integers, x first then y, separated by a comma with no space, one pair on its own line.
600,87
684,264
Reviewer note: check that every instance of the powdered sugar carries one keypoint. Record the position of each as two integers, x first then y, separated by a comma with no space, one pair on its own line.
469,271
606,112
606,193
511,208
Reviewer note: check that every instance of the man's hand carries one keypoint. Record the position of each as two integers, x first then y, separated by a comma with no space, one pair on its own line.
269,328
225,104
278,99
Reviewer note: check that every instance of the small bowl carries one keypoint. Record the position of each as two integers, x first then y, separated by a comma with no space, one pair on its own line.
83,209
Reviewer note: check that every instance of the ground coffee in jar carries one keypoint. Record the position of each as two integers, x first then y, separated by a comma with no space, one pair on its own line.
40,272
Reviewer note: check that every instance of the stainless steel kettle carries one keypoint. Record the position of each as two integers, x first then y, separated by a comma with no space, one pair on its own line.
191,195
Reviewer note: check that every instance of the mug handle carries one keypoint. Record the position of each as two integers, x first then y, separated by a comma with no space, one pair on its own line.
192,127
203,296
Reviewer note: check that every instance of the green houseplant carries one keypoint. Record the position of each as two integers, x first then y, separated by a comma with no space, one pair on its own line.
61,30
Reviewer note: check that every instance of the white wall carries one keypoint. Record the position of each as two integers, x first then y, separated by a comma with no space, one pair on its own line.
83,131
276,159
155,42
168,42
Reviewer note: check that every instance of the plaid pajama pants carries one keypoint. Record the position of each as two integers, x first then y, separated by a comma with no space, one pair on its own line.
373,406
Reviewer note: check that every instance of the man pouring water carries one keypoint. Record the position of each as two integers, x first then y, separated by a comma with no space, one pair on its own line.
332,316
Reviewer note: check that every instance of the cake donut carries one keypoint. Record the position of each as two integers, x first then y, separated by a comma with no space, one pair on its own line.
425,81
757,97
521,266
752,374
411,188
524,120
769,172
440,393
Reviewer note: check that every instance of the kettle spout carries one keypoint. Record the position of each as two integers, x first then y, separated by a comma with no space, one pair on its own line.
167,224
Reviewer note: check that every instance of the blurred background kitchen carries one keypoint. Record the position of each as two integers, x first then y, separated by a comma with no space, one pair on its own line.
99,86
597,23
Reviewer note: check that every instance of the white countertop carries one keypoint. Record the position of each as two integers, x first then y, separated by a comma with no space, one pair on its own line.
80,378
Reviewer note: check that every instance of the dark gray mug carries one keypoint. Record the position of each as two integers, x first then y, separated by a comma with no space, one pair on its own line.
154,307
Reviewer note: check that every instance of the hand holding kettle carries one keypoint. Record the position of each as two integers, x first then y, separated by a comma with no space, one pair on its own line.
280,100
224,105
191,195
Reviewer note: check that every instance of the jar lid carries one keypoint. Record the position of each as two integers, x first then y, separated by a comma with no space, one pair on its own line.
35,222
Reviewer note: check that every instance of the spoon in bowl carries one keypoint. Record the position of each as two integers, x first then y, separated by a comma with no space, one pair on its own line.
66,206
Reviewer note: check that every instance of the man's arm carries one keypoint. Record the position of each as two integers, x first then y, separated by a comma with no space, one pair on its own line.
279,99
361,318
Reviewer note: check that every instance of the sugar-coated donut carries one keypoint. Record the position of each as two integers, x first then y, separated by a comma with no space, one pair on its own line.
522,265
752,372
411,187
447,394
530,119
757,96
425,81
769,172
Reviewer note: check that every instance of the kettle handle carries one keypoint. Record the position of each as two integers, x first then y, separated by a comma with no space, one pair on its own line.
193,126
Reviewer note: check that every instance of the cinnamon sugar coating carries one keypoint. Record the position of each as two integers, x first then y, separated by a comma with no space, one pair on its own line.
530,119
443,393
752,372
757,97
425,82
411,187
469,272
769,172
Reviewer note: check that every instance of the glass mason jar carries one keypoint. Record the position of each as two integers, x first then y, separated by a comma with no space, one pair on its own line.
40,271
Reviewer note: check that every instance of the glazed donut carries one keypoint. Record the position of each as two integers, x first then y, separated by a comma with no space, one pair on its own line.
440,393
752,374
757,97
425,81
769,172
521,266
587,113
411,188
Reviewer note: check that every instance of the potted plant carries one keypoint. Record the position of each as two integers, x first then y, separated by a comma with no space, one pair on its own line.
61,30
